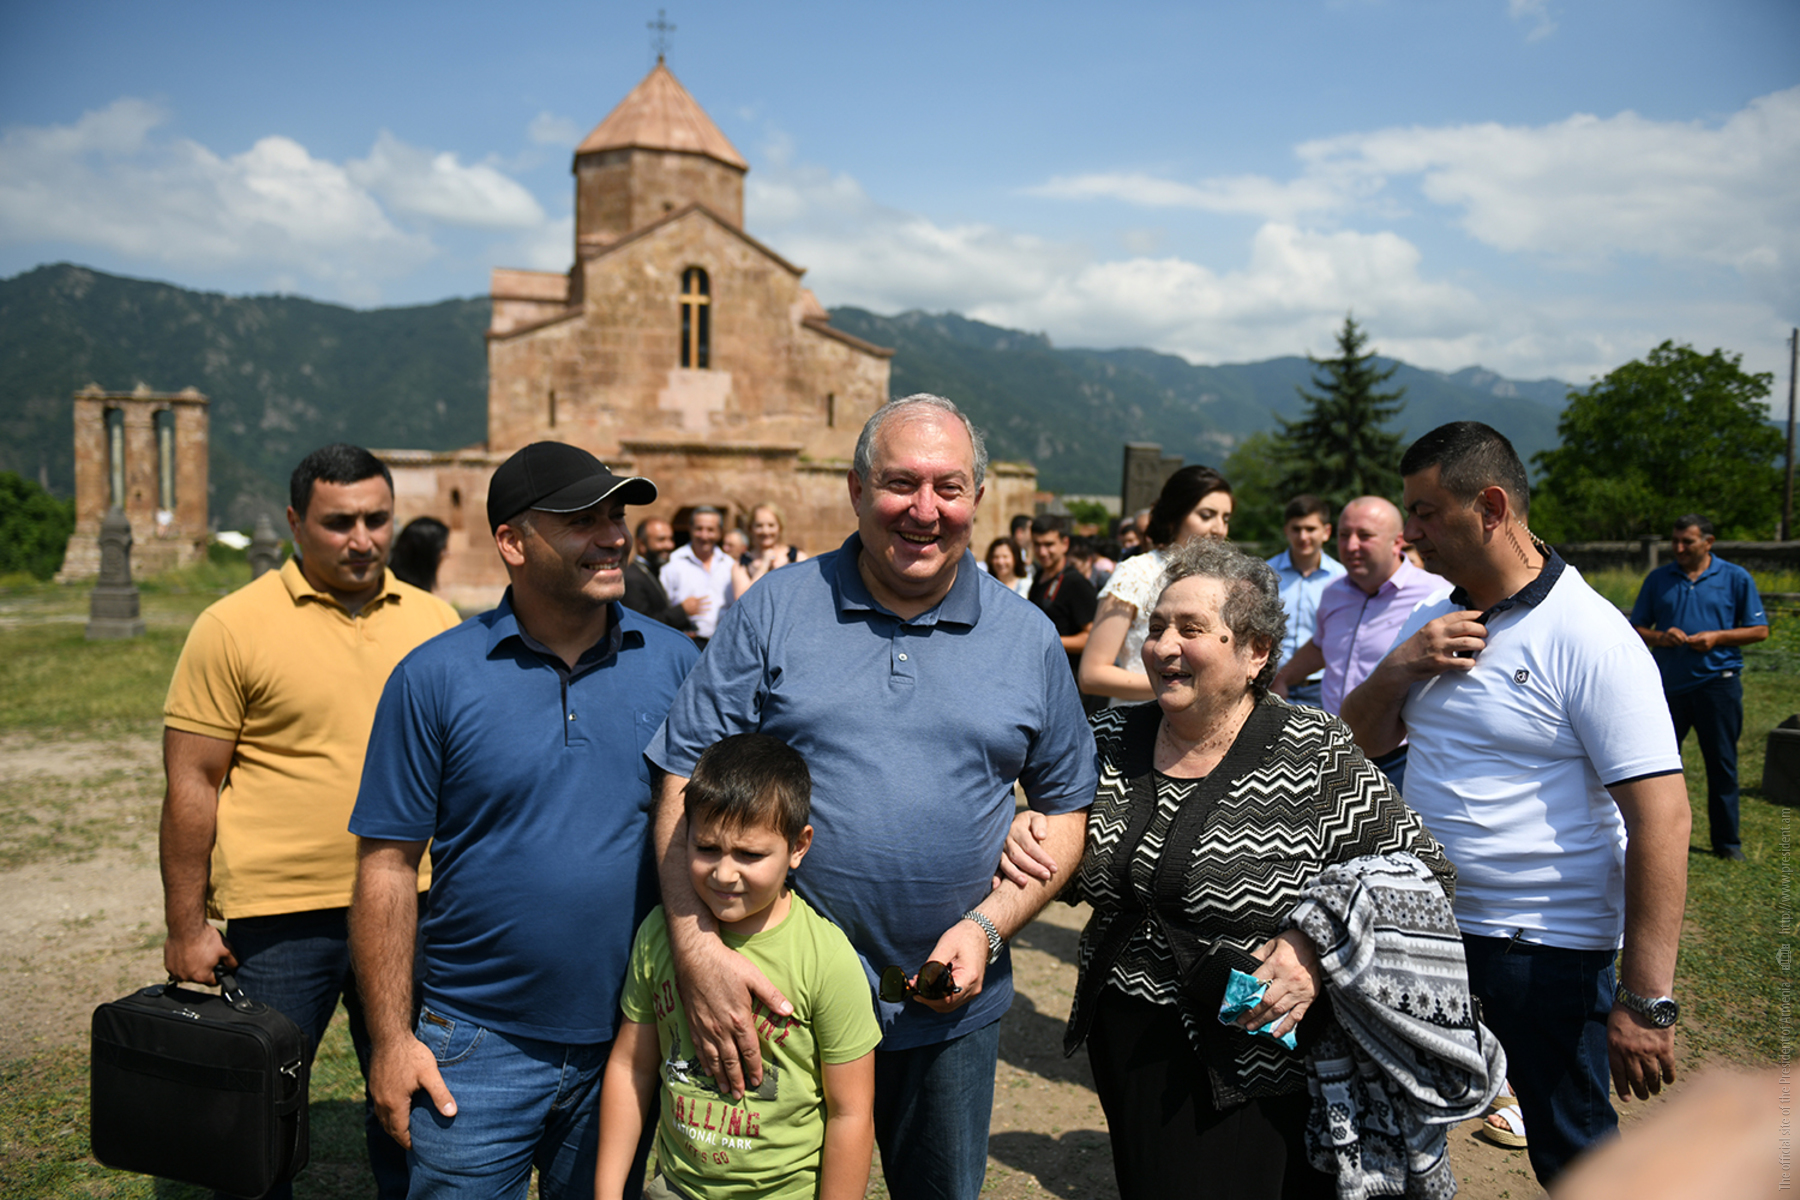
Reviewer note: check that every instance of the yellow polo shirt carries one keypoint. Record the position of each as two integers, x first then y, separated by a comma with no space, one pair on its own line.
281,669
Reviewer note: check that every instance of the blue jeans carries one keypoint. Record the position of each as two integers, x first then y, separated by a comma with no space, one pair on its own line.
933,1107
520,1103
1548,1006
1393,765
1715,712
1308,692
299,965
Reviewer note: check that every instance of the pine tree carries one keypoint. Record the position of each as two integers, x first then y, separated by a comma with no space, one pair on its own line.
1341,448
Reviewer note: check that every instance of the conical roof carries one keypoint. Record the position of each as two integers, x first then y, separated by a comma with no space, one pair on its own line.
660,115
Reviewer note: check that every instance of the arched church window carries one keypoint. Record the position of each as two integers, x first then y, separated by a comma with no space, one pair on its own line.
696,318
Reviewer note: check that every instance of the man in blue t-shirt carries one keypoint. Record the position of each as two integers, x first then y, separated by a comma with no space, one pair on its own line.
918,688
1305,571
513,744
1694,613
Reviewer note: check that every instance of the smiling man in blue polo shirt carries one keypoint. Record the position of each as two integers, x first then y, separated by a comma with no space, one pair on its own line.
1694,614
514,745
918,688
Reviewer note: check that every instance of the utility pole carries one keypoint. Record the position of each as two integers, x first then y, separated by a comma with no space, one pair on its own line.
1787,494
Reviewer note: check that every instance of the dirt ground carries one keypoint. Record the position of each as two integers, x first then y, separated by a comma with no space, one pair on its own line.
80,917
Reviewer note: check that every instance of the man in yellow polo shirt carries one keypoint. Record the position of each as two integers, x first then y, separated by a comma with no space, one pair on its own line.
265,726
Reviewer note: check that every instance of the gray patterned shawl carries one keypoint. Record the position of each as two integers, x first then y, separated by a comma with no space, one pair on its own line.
1407,1057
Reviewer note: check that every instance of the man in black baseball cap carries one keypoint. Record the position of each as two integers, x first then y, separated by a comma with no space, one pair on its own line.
556,477
513,744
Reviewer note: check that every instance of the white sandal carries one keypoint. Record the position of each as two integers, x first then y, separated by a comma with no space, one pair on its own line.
1511,1132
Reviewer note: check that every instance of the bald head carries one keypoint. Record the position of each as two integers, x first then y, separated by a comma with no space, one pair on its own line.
1369,541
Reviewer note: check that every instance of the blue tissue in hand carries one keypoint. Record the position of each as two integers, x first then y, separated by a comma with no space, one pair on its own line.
1243,993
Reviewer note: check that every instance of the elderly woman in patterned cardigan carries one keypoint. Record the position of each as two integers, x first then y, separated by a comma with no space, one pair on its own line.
1217,804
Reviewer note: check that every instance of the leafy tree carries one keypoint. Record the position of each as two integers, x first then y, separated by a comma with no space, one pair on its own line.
34,527
1678,432
1342,447
1087,513
1255,471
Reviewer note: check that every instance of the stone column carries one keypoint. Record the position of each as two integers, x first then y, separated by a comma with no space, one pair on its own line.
1147,468
113,608
265,548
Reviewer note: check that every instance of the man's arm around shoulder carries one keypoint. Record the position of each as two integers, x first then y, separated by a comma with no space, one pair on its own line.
384,919
1041,853
719,986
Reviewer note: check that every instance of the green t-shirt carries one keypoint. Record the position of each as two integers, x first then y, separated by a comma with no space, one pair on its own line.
767,1145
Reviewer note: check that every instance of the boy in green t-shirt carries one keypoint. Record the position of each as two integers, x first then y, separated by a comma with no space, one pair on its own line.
808,1129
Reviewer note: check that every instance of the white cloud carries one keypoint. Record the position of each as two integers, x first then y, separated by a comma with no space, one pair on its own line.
418,183
548,247
1536,11
548,129
1288,291
109,181
1294,282
115,180
1294,285
1718,194
1253,195
861,252
1685,192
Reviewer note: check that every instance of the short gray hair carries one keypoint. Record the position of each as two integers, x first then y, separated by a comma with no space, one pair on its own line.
910,406
1252,608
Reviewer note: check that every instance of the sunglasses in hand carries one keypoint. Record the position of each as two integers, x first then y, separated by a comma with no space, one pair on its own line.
936,982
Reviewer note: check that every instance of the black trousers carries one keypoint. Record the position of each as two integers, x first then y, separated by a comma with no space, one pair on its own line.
1168,1139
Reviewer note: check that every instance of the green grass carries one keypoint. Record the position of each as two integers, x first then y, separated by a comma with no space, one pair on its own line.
44,1151
43,817
1734,976
53,678
1735,972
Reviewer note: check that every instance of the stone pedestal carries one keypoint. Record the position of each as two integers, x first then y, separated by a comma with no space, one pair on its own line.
1147,468
1781,764
265,548
113,609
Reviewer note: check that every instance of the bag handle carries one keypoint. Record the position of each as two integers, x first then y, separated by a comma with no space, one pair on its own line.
229,991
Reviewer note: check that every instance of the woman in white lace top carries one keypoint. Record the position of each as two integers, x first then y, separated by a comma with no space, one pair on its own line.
1195,503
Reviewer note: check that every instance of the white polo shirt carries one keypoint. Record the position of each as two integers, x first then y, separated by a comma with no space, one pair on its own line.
1510,761
683,576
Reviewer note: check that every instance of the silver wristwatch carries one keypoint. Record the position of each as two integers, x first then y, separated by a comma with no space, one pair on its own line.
1661,1012
995,945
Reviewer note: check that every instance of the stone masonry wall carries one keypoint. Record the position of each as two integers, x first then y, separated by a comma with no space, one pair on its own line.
162,538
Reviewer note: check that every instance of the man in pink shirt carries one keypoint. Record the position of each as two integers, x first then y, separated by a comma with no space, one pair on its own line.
1360,613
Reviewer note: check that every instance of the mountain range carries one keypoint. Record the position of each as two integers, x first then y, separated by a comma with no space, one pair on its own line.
285,374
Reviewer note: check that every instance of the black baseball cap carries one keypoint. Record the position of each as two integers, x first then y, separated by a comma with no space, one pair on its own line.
560,478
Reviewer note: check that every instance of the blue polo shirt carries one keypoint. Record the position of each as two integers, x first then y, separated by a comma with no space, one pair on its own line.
1724,597
529,778
1300,597
914,732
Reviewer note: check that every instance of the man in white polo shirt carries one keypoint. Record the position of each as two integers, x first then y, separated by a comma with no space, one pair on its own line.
698,575
1544,760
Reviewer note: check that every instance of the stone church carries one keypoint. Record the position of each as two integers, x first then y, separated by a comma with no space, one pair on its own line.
676,347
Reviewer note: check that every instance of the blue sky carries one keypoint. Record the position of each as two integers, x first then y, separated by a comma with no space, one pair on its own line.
1541,187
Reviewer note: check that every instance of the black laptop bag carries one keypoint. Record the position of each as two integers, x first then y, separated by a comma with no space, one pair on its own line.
202,1089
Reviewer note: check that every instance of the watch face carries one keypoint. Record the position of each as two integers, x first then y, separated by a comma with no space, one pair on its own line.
1663,1013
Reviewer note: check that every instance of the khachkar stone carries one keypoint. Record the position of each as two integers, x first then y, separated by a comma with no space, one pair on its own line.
1147,468
113,609
265,548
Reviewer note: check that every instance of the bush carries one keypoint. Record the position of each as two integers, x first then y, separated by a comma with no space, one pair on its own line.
34,527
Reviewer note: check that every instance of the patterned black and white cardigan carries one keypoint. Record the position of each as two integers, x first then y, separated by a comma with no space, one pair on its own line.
1291,796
